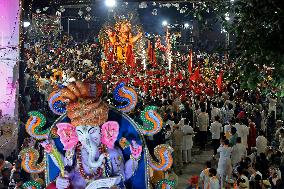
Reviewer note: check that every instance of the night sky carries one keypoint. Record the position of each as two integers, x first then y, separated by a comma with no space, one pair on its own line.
149,22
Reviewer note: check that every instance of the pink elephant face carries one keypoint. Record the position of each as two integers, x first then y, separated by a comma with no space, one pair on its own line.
109,131
68,135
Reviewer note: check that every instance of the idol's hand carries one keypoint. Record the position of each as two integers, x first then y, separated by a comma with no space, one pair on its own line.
62,183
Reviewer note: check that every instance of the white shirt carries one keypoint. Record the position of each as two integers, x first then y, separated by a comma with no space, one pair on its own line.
261,144
215,129
224,163
215,112
187,137
243,132
203,121
239,151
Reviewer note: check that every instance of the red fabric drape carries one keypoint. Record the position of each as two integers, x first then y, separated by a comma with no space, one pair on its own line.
152,55
130,60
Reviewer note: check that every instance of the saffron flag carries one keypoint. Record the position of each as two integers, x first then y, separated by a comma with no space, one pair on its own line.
151,54
219,81
190,62
150,51
195,75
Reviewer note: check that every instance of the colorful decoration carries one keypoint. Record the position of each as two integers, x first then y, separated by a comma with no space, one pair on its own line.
56,103
163,153
29,158
34,125
166,184
31,185
152,121
91,140
109,132
124,94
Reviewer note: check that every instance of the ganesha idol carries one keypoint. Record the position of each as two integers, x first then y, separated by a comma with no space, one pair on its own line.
122,42
91,145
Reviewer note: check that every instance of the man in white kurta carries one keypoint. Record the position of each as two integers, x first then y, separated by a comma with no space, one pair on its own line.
187,142
224,164
261,143
243,132
238,152
216,129
215,112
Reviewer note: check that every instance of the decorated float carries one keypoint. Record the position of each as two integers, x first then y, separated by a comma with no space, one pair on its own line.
93,144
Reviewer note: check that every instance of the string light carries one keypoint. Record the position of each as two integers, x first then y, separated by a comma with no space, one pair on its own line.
163,153
56,104
165,183
31,184
29,158
152,121
124,94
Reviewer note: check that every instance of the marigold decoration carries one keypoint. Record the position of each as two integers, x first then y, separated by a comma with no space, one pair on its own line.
124,94
153,122
56,104
31,185
163,153
35,124
166,184
29,157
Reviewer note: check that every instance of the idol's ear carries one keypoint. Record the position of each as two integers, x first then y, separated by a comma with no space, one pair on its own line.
109,132
68,135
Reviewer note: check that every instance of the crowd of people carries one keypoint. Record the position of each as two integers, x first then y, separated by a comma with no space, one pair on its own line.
243,127
246,138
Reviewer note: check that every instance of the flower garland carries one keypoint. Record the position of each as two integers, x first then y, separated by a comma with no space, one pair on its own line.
99,171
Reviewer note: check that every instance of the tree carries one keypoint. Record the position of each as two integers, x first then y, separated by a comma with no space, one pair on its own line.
258,26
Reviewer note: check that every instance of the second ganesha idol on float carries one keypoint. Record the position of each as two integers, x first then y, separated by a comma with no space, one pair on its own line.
94,145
